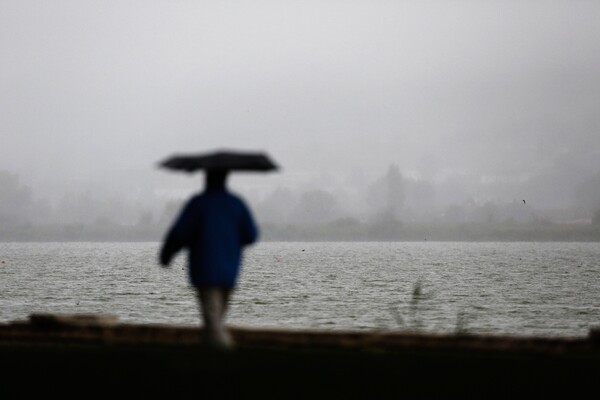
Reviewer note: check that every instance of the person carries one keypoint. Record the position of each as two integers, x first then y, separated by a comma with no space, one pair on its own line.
214,227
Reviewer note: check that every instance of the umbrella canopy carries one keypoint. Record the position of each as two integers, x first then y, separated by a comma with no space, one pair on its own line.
221,160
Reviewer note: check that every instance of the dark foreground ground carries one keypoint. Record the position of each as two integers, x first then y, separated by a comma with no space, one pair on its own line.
79,357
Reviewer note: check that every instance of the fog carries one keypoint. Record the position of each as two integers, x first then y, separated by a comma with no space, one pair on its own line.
425,111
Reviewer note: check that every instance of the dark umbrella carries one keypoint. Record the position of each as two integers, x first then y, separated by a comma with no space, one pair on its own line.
221,160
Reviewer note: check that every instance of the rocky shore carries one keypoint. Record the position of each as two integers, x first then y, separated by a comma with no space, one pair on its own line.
64,353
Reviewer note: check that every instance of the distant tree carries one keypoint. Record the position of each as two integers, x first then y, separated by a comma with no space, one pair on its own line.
277,206
78,208
387,194
516,212
587,196
16,200
596,218
385,227
346,223
455,213
488,212
170,212
104,222
420,197
145,218
316,206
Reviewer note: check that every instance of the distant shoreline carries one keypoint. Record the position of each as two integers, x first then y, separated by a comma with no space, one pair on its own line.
331,232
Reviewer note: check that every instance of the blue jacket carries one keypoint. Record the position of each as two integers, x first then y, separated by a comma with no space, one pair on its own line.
213,226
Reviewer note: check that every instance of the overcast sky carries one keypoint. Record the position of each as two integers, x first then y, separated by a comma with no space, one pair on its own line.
97,90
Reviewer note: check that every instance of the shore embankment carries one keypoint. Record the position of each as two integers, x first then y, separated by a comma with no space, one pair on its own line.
61,353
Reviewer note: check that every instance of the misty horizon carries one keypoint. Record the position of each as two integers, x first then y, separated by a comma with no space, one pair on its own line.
491,102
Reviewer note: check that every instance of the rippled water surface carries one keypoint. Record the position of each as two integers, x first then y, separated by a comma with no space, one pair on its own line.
548,289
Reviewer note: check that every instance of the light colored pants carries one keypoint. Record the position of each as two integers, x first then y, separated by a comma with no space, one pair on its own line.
213,303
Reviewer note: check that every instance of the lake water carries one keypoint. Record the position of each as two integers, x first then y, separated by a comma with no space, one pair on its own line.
526,288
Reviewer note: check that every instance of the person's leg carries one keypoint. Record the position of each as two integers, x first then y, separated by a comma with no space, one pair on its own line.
225,294
212,305
210,300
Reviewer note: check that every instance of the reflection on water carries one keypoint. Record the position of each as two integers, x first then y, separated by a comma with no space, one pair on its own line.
549,289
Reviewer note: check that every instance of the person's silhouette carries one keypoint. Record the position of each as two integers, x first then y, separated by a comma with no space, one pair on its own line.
214,226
